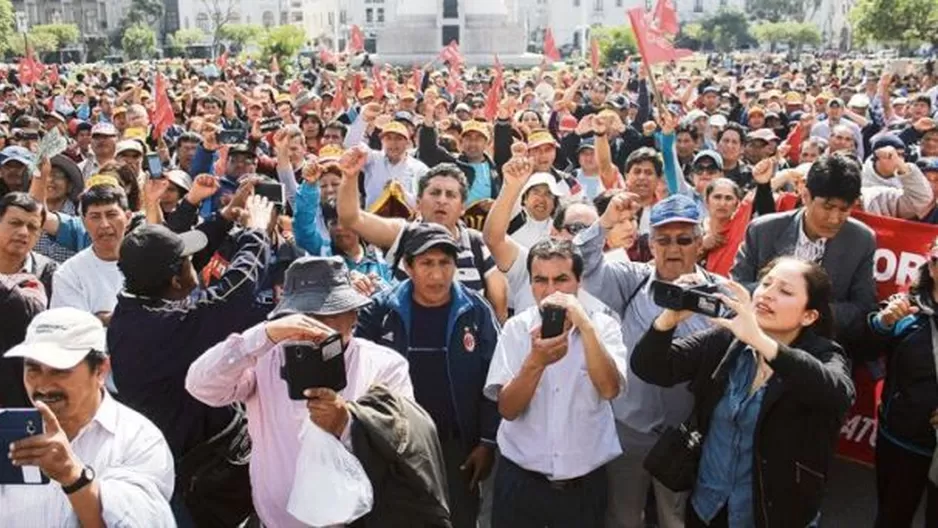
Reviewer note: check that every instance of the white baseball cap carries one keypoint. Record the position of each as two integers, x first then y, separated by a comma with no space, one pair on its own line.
61,338
542,178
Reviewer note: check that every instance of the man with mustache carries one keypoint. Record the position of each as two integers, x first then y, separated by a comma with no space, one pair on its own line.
91,279
109,465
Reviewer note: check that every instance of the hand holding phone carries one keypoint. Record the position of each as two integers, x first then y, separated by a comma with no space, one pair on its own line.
553,318
17,425
308,365
154,166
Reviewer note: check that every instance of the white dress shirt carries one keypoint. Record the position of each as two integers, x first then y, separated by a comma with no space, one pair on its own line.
133,469
532,232
567,430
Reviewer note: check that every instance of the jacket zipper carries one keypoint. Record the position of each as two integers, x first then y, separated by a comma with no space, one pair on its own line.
801,467
765,509
449,374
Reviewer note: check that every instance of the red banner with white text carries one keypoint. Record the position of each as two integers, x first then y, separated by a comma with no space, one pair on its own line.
900,249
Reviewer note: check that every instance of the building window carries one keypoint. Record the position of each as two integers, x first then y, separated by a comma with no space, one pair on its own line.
450,9
698,6
618,3
267,19
369,15
722,3
202,22
186,23
343,17
380,15
597,5
576,3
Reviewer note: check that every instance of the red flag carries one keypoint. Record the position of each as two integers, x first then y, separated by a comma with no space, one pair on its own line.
54,75
338,102
356,41
417,78
326,56
495,92
163,116
451,54
550,47
274,65
594,54
667,90
29,69
665,17
455,84
356,83
222,61
379,82
652,44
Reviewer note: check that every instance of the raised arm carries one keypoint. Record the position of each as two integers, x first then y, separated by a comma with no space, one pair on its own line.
376,230
504,250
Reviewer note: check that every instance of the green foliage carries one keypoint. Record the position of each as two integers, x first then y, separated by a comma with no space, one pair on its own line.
65,34
795,34
690,37
39,42
615,43
282,42
143,11
726,30
240,35
7,25
138,42
779,10
902,22
184,38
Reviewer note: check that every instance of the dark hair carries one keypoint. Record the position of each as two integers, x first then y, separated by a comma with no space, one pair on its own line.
95,359
102,195
329,210
923,284
448,170
188,137
211,99
551,248
537,115
733,126
835,176
819,292
723,181
449,250
686,128
642,155
602,200
336,125
22,201
313,116
560,211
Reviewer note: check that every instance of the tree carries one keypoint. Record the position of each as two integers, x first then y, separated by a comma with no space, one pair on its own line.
7,25
690,37
240,35
139,42
795,34
65,34
615,43
779,10
901,22
726,30
143,11
220,13
282,42
40,43
182,39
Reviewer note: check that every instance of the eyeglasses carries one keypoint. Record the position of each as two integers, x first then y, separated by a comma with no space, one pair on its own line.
683,240
575,227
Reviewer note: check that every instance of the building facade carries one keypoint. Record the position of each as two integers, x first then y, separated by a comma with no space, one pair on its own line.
94,18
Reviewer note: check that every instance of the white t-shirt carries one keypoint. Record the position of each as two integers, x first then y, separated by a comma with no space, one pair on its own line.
87,283
532,232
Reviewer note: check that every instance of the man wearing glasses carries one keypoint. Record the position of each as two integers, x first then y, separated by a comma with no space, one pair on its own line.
643,410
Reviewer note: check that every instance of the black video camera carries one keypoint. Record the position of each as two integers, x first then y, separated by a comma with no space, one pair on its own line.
698,298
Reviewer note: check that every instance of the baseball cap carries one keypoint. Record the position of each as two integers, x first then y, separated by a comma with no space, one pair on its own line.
179,178
567,123
542,178
673,209
718,120
330,154
61,338
475,126
757,110
423,237
888,140
711,155
859,101
836,101
395,127
128,145
403,116
586,143
927,164
149,253
241,148
18,154
104,129
540,137
463,107
764,134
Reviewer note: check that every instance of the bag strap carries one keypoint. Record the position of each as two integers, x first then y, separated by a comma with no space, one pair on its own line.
475,243
641,285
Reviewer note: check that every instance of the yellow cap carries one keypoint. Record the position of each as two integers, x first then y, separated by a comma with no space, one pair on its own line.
395,127
541,137
102,180
330,153
793,98
364,93
283,98
476,126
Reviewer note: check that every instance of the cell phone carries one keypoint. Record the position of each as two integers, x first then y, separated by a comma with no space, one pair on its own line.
552,320
231,137
272,191
154,166
309,366
271,124
15,425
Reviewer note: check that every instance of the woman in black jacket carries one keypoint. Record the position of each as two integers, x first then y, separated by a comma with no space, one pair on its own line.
770,390
905,442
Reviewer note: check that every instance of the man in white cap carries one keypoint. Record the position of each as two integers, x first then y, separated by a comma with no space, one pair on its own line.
103,149
109,465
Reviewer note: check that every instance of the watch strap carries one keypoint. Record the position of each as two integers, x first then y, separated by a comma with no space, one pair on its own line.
87,476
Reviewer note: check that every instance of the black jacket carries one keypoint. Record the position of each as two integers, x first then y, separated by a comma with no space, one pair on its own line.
396,442
430,152
799,422
17,310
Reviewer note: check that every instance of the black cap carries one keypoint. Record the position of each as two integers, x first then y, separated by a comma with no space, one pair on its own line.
150,253
241,148
422,237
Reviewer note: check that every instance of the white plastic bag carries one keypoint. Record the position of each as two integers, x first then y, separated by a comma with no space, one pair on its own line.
330,487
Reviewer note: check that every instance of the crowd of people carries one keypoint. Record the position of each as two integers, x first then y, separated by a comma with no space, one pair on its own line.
154,276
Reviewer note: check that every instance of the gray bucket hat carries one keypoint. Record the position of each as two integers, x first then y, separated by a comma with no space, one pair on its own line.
318,286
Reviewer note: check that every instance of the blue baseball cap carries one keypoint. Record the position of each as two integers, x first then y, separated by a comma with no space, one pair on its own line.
15,153
673,209
586,143
927,164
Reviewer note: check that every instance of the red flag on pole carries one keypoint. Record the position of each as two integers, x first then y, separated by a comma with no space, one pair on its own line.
494,96
163,116
652,44
594,54
222,61
357,84
379,82
550,46
338,102
452,55
356,41
665,17
29,69
455,84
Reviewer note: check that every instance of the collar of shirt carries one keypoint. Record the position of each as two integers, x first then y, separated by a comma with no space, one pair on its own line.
806,248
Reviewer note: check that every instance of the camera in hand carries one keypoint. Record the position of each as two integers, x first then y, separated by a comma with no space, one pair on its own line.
310,366
271,124
552,320
698,298
231,137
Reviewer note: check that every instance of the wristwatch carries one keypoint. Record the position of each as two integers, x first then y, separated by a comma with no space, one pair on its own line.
87,476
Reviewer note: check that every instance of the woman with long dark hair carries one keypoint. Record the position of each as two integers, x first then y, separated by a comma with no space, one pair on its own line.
771,390
908,414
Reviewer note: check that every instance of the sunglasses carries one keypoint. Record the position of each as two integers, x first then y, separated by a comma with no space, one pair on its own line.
683,240
575,227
